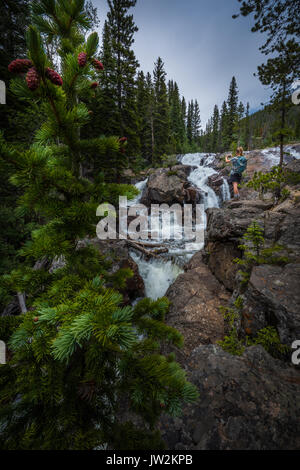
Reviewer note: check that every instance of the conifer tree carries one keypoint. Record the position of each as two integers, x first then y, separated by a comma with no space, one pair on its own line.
121,74
161,122
232,106
190,120
223,127
247,128
239,124
145,113
215,129
176,119
196,122
184,111
279,73
78,353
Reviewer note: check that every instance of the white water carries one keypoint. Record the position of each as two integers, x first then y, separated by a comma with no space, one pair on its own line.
140,186
272,154
199,176
226,196
159,273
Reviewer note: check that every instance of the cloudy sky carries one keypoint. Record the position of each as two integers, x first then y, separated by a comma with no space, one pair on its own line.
202,48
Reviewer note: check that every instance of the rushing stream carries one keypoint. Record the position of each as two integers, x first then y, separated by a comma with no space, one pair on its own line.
159,273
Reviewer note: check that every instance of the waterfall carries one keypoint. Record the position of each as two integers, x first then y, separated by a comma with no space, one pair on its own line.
226,196
199,176
140,186
159,273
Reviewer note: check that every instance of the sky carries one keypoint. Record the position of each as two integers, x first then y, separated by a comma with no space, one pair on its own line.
202,48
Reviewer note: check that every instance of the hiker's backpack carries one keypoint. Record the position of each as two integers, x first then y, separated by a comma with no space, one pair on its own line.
240,165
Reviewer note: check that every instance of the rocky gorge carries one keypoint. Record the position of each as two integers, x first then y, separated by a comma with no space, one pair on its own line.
249,401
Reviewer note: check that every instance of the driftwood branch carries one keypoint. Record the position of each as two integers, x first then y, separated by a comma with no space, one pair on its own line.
140,247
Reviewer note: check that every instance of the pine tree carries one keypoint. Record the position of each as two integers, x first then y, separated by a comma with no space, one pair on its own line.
121,74
190,120
239,124
215,130
177,125
247,128
232,106
12,39
223,128
78,353
184,111
279,21
196,122
161,122
145,113
279,73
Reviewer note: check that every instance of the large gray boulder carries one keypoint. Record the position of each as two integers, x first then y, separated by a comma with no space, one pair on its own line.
251,402
166,185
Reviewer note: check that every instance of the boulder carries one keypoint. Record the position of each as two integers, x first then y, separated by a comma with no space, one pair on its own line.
273,298
215,182
248,402
166,185
195,299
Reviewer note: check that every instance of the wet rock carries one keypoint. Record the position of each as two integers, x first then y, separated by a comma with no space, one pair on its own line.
215,181
247,402
195,299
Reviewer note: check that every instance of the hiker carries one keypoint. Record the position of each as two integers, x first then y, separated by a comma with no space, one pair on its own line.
239,164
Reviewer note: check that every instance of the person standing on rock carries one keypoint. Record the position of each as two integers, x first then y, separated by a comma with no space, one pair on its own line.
239,165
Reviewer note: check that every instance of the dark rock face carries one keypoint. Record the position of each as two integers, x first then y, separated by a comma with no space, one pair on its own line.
220,261
225,227
272,294
273,297
166,185
195,299
248,402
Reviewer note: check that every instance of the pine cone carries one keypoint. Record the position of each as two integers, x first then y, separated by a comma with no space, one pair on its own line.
94,85
97,64
20,65
82,59
54,77
32,79
123,139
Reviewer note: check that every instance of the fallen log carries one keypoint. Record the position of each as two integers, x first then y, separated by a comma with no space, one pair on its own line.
148,253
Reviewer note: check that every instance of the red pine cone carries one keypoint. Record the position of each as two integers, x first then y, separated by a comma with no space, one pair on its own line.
33,79
123,139
36,319
20,65
82,59
94,85
54,77
97,64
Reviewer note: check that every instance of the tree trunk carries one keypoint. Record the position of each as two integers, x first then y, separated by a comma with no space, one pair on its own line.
282,126
21,299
